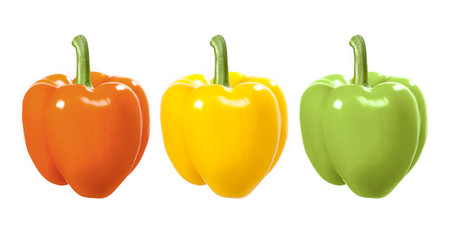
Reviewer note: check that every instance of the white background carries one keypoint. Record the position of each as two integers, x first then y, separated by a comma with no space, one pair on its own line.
156,43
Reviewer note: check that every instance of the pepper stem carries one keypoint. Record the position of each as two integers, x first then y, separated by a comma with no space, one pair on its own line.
361,76
83,66
221,65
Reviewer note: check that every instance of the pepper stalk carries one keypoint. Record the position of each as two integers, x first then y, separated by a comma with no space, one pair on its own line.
361,76
83,66
221,61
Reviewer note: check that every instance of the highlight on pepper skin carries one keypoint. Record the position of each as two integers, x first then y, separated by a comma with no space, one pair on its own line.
228,133
89,133
367,133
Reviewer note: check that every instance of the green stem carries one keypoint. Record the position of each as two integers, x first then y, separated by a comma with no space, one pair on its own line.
83,67
359,50
221,66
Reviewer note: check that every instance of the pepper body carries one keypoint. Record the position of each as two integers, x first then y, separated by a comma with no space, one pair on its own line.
88,137
368,137
227,137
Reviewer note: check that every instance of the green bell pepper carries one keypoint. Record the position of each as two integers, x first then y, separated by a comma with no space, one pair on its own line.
367,133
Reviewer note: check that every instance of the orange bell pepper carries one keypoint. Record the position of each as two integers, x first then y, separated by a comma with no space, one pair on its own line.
89,133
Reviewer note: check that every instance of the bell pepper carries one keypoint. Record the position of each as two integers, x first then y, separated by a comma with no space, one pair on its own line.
228,133
367,133
89,133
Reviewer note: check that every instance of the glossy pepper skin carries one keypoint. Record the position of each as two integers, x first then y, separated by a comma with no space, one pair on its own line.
228,133
367,133
89,134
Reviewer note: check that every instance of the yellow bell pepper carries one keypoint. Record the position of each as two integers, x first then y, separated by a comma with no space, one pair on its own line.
228,133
